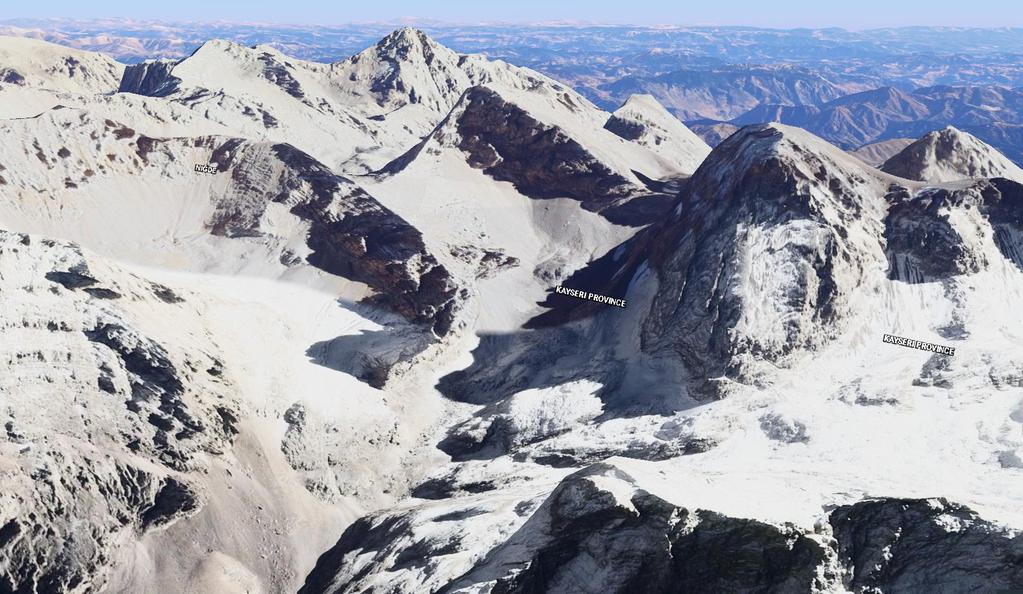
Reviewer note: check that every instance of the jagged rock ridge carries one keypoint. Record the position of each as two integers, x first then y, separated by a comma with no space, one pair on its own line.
542,162
939,233
598,531
545,144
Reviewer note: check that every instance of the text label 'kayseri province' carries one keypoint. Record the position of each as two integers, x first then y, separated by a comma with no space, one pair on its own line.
916,344
578,294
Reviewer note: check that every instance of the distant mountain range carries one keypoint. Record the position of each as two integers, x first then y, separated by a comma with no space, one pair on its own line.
850,87
994,114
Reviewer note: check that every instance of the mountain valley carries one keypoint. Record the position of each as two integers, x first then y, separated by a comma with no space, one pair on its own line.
283,325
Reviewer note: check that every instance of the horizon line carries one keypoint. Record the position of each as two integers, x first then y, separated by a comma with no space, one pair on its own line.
439,23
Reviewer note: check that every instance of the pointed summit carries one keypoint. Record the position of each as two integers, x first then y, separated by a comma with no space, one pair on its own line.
406,68
643,120
950,155
406,42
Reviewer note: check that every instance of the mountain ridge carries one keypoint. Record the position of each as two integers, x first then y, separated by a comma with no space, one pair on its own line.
265,296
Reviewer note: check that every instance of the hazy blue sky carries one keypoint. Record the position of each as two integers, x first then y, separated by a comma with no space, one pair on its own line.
769,13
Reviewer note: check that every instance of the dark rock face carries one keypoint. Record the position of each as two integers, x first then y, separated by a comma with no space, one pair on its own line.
351,234
173,499
925,545
1003,201
11,77
922,243
143,358
364,534
627,129
370,244
151,78
641,211
541,161
763,195
40,553
656,547
599,532
157,392
78,278
725,554
71,279
278,74
596,532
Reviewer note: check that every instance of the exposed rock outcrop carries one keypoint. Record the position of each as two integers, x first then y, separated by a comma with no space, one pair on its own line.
102,424
773,233
939,233
509,145
152,78
925,545
597,531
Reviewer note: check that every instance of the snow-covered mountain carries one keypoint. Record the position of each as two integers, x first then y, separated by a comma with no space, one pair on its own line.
356,114
280,325
35,75
770,289
773,237
37,64
950,155
642,119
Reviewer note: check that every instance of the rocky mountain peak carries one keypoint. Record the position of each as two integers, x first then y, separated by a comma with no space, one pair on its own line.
406,67
407,43
950,155
800,166
772,235
642,119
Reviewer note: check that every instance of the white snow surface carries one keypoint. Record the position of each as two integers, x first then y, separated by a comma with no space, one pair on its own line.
857,418
949,155
44,65
664,134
